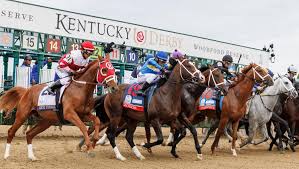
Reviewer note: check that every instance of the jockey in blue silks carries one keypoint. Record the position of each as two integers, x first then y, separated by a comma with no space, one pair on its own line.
151,70
134,74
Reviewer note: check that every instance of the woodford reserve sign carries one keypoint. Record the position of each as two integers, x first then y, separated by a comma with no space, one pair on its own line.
36,18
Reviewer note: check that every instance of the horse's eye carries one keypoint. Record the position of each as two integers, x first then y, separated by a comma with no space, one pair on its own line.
286,83
104,71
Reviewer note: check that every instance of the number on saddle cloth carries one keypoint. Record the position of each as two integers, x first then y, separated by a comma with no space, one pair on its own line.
208,99
136,102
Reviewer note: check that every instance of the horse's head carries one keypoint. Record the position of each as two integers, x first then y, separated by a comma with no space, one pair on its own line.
187,71
283,84
106,74
259,74
213,76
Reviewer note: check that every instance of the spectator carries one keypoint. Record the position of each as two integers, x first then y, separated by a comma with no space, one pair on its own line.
35,71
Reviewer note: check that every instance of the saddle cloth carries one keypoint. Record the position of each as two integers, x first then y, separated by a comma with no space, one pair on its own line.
135,102
207,100
47,101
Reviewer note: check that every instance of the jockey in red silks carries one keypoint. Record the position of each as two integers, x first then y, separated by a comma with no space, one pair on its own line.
70,63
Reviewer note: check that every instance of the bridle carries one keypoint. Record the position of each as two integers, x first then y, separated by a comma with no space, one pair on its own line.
105,81
211,76
255,74
193,78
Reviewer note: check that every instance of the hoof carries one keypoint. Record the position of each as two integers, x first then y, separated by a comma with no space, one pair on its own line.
234,152
6,157
78,148
141,157
170,144
174,154
121,158
91,154
199,157
33,159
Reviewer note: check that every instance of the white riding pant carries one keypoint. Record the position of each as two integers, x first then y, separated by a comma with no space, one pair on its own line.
148,77
63,75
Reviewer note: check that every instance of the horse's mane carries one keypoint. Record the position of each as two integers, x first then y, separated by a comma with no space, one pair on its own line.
204,68
247,68
80,73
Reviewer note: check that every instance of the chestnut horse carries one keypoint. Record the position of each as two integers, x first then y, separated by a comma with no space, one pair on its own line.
165,106
234,103
77,103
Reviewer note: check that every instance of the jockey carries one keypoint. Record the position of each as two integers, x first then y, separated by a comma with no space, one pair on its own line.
133,78
151,70
225,66
70,63
292,73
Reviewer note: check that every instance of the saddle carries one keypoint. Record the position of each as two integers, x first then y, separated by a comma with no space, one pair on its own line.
135,102
48,101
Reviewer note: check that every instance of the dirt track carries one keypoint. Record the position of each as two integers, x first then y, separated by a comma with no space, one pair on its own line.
53,148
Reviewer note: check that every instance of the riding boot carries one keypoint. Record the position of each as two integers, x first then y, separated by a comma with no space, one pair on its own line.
52,87
145,86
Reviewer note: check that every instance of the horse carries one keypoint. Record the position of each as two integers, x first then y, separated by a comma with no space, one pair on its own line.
288,109
77,103
234,103
189,97
261,107
164,106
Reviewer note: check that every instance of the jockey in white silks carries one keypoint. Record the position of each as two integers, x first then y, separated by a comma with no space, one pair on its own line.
292,73
70,63
151,70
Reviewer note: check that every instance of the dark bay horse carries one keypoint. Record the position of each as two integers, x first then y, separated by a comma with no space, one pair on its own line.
288,109
165,106
189,97
77,103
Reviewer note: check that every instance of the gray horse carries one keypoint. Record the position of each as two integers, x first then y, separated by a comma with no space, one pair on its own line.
261,107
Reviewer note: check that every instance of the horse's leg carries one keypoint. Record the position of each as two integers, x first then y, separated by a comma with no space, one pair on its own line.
81,143
271,136
147,129
20,119
251,132
275,117
111,131
293,129
222,124
210,131
192,129
235,125
178,136
157,127
73,117
38,128
96,124
102,140
131,127
265,137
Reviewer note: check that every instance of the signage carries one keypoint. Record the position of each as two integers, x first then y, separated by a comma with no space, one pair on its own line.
29,42
6,39
53,46
23,16
132,57
72,46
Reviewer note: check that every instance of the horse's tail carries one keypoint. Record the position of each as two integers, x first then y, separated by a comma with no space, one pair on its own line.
100,109
10,99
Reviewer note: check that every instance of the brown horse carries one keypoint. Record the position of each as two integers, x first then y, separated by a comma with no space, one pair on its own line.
77,103
189,97
165,106
234,103
288,109
190,93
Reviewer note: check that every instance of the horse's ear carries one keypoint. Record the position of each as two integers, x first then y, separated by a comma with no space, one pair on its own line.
107,56
100,57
